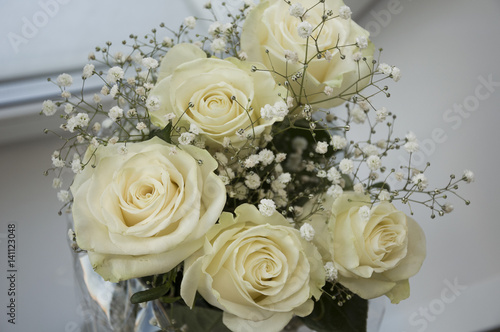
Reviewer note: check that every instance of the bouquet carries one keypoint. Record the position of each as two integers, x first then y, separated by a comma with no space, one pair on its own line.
241,174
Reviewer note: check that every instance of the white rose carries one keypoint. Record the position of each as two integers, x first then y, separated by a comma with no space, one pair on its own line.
257,269
269,26
226,95
374,250
143,212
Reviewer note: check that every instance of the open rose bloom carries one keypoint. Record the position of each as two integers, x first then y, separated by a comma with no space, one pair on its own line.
221,97
375,250
257,269
145,211
270,33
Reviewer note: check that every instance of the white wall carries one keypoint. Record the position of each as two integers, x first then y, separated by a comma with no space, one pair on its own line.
443,48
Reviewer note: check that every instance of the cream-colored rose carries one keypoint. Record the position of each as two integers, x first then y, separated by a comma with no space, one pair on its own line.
143,212
375,250
257,269
270,27
226,96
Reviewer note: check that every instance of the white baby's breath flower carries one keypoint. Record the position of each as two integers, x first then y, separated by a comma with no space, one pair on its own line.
95,142
304,29
359,188
242,56
115,74
57,183
280,157
115,113
411,146
328,56
328,90
266,112
321,147
113,140
338,142
194,129
448,207
68,108
364,212
153,103
114,91
221,158
384,68
384,195
267,207
362,42
141,126
88,70
251,161
150,63
291,56
169,116
226,142
382,114
64,80
266,157
284,178
396,74
357,56
411,137
345,12
218,45
346,166
321,174
104,91
374,163
334,175
468,176
358,115
190,22
364,104
215,28
49,107
82,119
331,273
334,191
76,166
122,149
57,162
131,112
307,232
168,42
370,150
63,196
252,181
399,176
297,10
420,180
186,138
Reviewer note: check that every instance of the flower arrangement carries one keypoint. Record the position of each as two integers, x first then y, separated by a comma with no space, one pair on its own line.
223,172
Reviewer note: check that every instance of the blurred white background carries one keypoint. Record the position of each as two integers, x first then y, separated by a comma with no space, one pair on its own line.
449,95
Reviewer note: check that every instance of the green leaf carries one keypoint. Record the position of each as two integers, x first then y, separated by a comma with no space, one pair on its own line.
381,185
150,294
198,319
164,133
328,316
